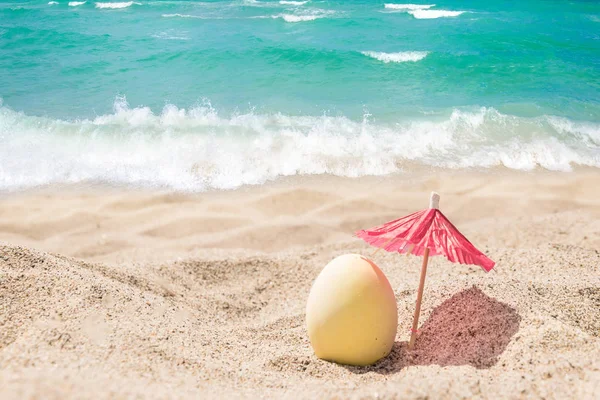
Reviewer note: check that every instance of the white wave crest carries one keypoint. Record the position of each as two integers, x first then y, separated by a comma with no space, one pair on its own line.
432,14
405,56
261,4
180,16
298,18
408,6
198,149
306,15
195,16
76,3
52,2
310,16
293,3
117,5
170,35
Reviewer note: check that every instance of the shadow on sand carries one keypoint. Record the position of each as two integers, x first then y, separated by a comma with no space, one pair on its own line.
470,328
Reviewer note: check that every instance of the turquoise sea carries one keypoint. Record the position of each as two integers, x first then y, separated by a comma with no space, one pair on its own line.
191,95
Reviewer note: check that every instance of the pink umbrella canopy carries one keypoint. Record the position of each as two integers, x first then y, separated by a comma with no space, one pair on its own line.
426,229
424,233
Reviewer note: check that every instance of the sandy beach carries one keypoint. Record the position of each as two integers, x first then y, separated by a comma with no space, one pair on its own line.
115,293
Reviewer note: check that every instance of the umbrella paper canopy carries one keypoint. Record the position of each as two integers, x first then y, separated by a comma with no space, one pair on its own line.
424,233
426,229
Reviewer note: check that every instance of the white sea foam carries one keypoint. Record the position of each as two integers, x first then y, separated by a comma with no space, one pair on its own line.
432,14
404,56
52,2
255,3
180,16
310,15
285,17
292,3
76,3
298,18
198,149
171,35
117,5
408,6
195,16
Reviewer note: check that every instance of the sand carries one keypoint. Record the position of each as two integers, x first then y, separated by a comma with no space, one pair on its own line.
114,293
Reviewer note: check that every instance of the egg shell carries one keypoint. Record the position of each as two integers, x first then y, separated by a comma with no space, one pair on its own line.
351,315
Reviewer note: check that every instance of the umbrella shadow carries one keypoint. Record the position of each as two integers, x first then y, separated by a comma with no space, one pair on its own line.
470,328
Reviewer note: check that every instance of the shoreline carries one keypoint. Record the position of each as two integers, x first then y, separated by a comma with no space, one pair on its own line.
412,173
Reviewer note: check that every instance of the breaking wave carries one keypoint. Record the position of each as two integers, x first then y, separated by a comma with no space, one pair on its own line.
298,18
198,149
116,5
182,16
432,14
408,6
405,56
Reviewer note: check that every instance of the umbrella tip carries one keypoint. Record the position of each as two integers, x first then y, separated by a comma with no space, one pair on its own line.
434,201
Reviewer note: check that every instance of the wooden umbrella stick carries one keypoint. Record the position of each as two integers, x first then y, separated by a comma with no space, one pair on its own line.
413,334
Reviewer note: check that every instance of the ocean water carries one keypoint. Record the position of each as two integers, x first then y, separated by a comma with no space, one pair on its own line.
191,95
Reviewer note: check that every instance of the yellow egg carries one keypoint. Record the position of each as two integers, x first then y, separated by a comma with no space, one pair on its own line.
351,314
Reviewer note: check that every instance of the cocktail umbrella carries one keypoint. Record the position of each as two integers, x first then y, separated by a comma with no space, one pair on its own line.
425,233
